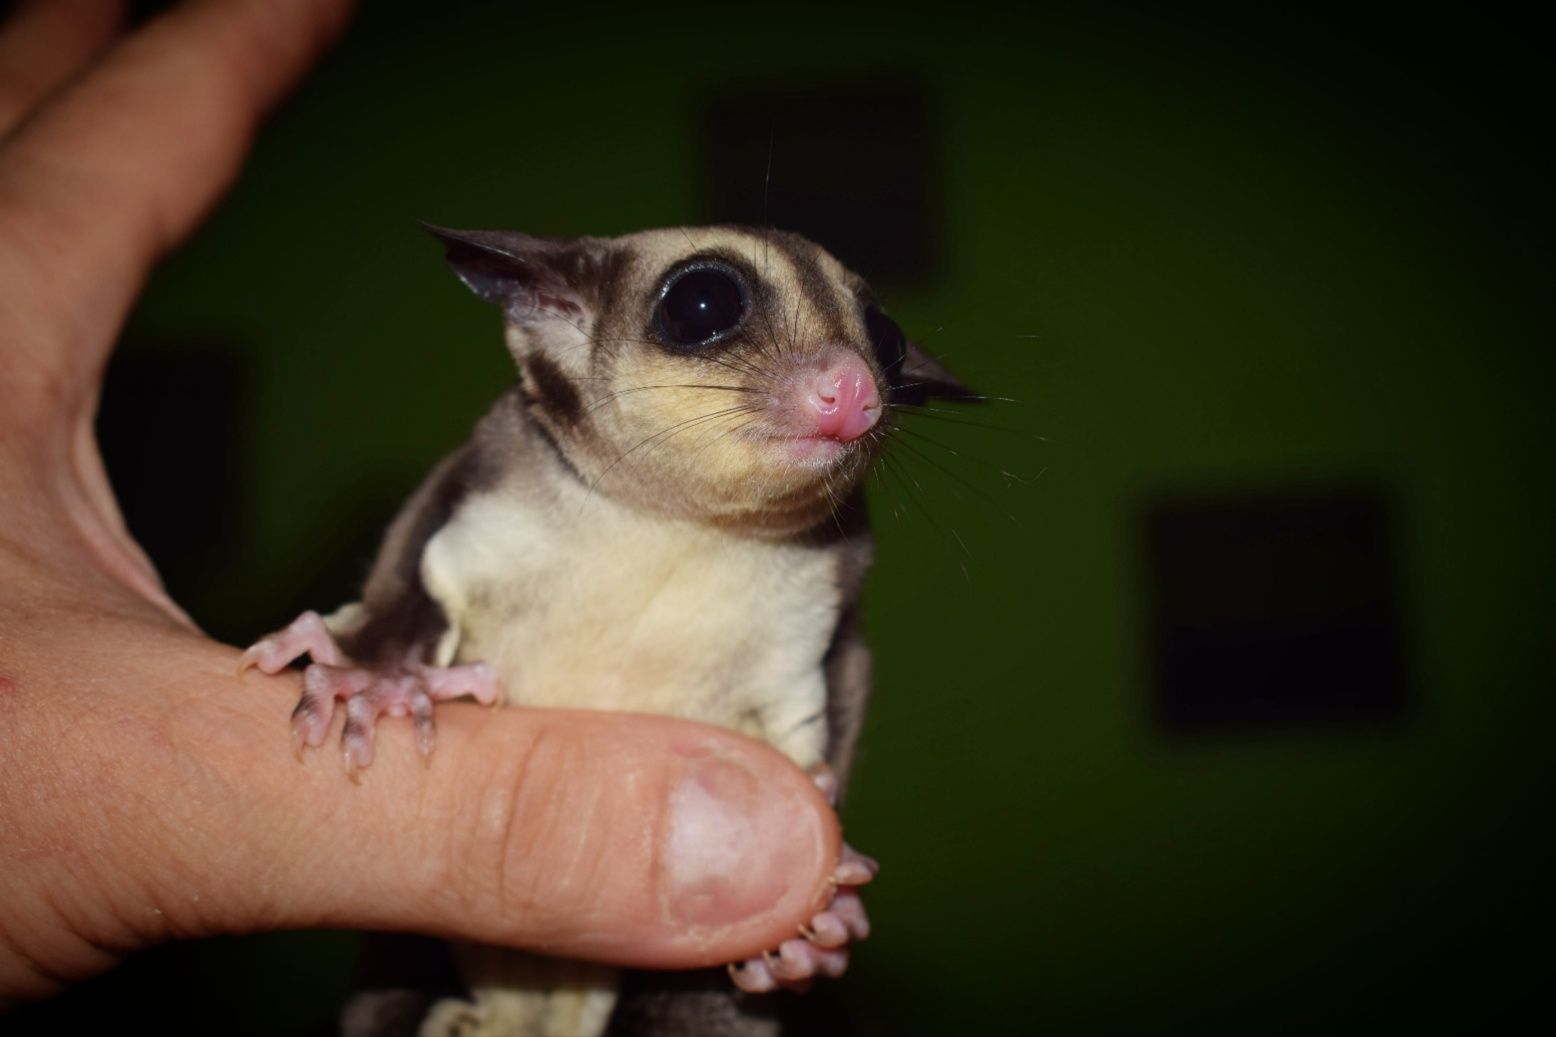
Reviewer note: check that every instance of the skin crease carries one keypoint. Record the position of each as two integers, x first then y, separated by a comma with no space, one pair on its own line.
149,793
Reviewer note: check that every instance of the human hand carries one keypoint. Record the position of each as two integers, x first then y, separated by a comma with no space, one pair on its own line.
149,794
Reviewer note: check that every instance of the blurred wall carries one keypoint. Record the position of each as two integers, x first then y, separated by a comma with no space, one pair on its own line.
1205,251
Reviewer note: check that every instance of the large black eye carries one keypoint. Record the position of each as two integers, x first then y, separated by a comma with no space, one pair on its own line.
890,344
699,306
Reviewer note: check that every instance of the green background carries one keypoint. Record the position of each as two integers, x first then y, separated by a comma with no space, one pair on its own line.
1207,247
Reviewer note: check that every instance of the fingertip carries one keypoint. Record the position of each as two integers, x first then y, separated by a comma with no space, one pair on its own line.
634,840
748,846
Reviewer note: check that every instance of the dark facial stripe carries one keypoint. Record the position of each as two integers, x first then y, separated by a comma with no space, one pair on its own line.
551,390
814,283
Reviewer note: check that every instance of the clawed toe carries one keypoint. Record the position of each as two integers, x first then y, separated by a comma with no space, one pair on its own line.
843,920
855,869
849,910
753,976
831,963
827,930
266,655
793,966
477,680
421,716
310,723
826,781
356,738
305,635
399,690
797,960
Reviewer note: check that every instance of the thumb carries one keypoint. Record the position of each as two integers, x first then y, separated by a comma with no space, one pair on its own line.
634,840
172,806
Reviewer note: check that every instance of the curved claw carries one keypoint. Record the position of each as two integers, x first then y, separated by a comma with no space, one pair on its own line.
356,739
421,715
267,655
305,635
249,659
753,976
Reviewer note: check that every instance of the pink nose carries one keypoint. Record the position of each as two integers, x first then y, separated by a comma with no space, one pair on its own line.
842,400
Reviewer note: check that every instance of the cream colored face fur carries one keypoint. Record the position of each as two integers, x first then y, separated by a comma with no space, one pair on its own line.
694,434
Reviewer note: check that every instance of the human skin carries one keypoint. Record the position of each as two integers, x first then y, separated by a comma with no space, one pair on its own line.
148,793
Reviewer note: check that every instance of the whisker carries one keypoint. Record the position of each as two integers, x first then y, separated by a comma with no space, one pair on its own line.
665,433
913,410
923,510
833,502
727,432
955,476
767,190
608,397
1006,473
686,426
877,472
963,398
954,418
767,317
740,364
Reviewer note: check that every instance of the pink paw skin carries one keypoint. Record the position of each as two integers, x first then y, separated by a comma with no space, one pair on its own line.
821,949
369,692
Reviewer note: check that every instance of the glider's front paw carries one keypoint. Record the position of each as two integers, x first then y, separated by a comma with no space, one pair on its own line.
369,692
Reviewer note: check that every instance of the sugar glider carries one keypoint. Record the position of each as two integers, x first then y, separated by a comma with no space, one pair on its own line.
664,515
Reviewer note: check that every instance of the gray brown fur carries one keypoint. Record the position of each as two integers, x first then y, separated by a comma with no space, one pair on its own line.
465,571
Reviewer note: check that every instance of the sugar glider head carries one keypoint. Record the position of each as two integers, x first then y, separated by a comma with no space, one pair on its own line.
724,374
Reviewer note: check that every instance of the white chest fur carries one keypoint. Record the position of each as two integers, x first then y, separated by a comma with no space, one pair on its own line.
588,604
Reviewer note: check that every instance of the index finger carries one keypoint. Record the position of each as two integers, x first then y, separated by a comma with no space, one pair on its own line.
122,165
44,43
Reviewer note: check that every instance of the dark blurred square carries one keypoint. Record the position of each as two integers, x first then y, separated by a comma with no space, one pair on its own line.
854,166
1273,608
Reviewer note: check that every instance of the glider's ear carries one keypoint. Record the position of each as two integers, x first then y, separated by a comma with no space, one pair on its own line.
914,376
924,378
530,278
